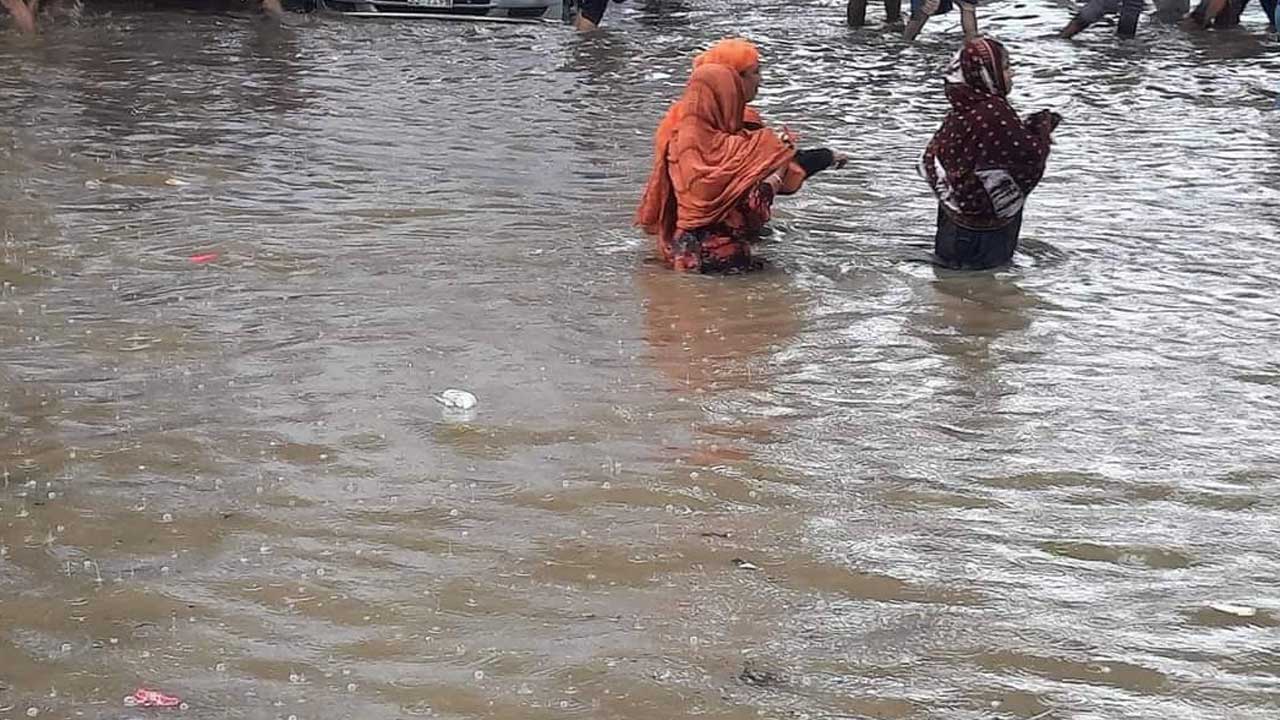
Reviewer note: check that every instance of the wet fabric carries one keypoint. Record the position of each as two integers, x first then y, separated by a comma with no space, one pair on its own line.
726,245
707,165
961,248
741,55
984,161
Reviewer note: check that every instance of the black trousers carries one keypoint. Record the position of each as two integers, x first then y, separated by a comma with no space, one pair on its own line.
960,248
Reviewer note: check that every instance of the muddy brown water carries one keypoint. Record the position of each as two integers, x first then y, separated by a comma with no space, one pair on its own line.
848,487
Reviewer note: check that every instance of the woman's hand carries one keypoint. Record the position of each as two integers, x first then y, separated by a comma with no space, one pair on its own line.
774,181
838,159
1044,123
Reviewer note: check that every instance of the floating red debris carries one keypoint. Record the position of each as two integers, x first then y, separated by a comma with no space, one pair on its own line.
204,258
143,697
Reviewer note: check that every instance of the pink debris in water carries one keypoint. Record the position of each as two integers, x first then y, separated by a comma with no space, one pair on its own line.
203,258
143,697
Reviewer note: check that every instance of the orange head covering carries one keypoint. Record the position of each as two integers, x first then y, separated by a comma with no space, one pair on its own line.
707,161
738,54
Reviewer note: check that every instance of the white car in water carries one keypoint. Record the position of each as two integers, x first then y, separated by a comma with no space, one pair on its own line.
527,10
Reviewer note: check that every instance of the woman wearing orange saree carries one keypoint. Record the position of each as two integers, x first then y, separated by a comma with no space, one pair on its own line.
744,58
713,181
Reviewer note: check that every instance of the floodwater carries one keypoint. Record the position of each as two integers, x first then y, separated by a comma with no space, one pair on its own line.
850,486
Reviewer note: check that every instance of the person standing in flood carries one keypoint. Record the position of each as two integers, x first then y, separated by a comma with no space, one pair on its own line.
587,14
743,56
984,161
1089,13
922,10
713,181
1222,14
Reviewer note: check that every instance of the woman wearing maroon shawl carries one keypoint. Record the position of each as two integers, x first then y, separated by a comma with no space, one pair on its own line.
984,161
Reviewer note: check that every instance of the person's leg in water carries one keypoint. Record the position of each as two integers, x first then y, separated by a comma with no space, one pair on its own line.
24,14
1205,13
960,248
921,11
1269,9
856,12
590,13
272,9
892,12
1091,13
1230,15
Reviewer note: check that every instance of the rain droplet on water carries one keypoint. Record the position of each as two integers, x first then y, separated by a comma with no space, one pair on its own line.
479,675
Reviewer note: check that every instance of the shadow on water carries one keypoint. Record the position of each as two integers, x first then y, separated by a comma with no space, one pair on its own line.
968,315
709,334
